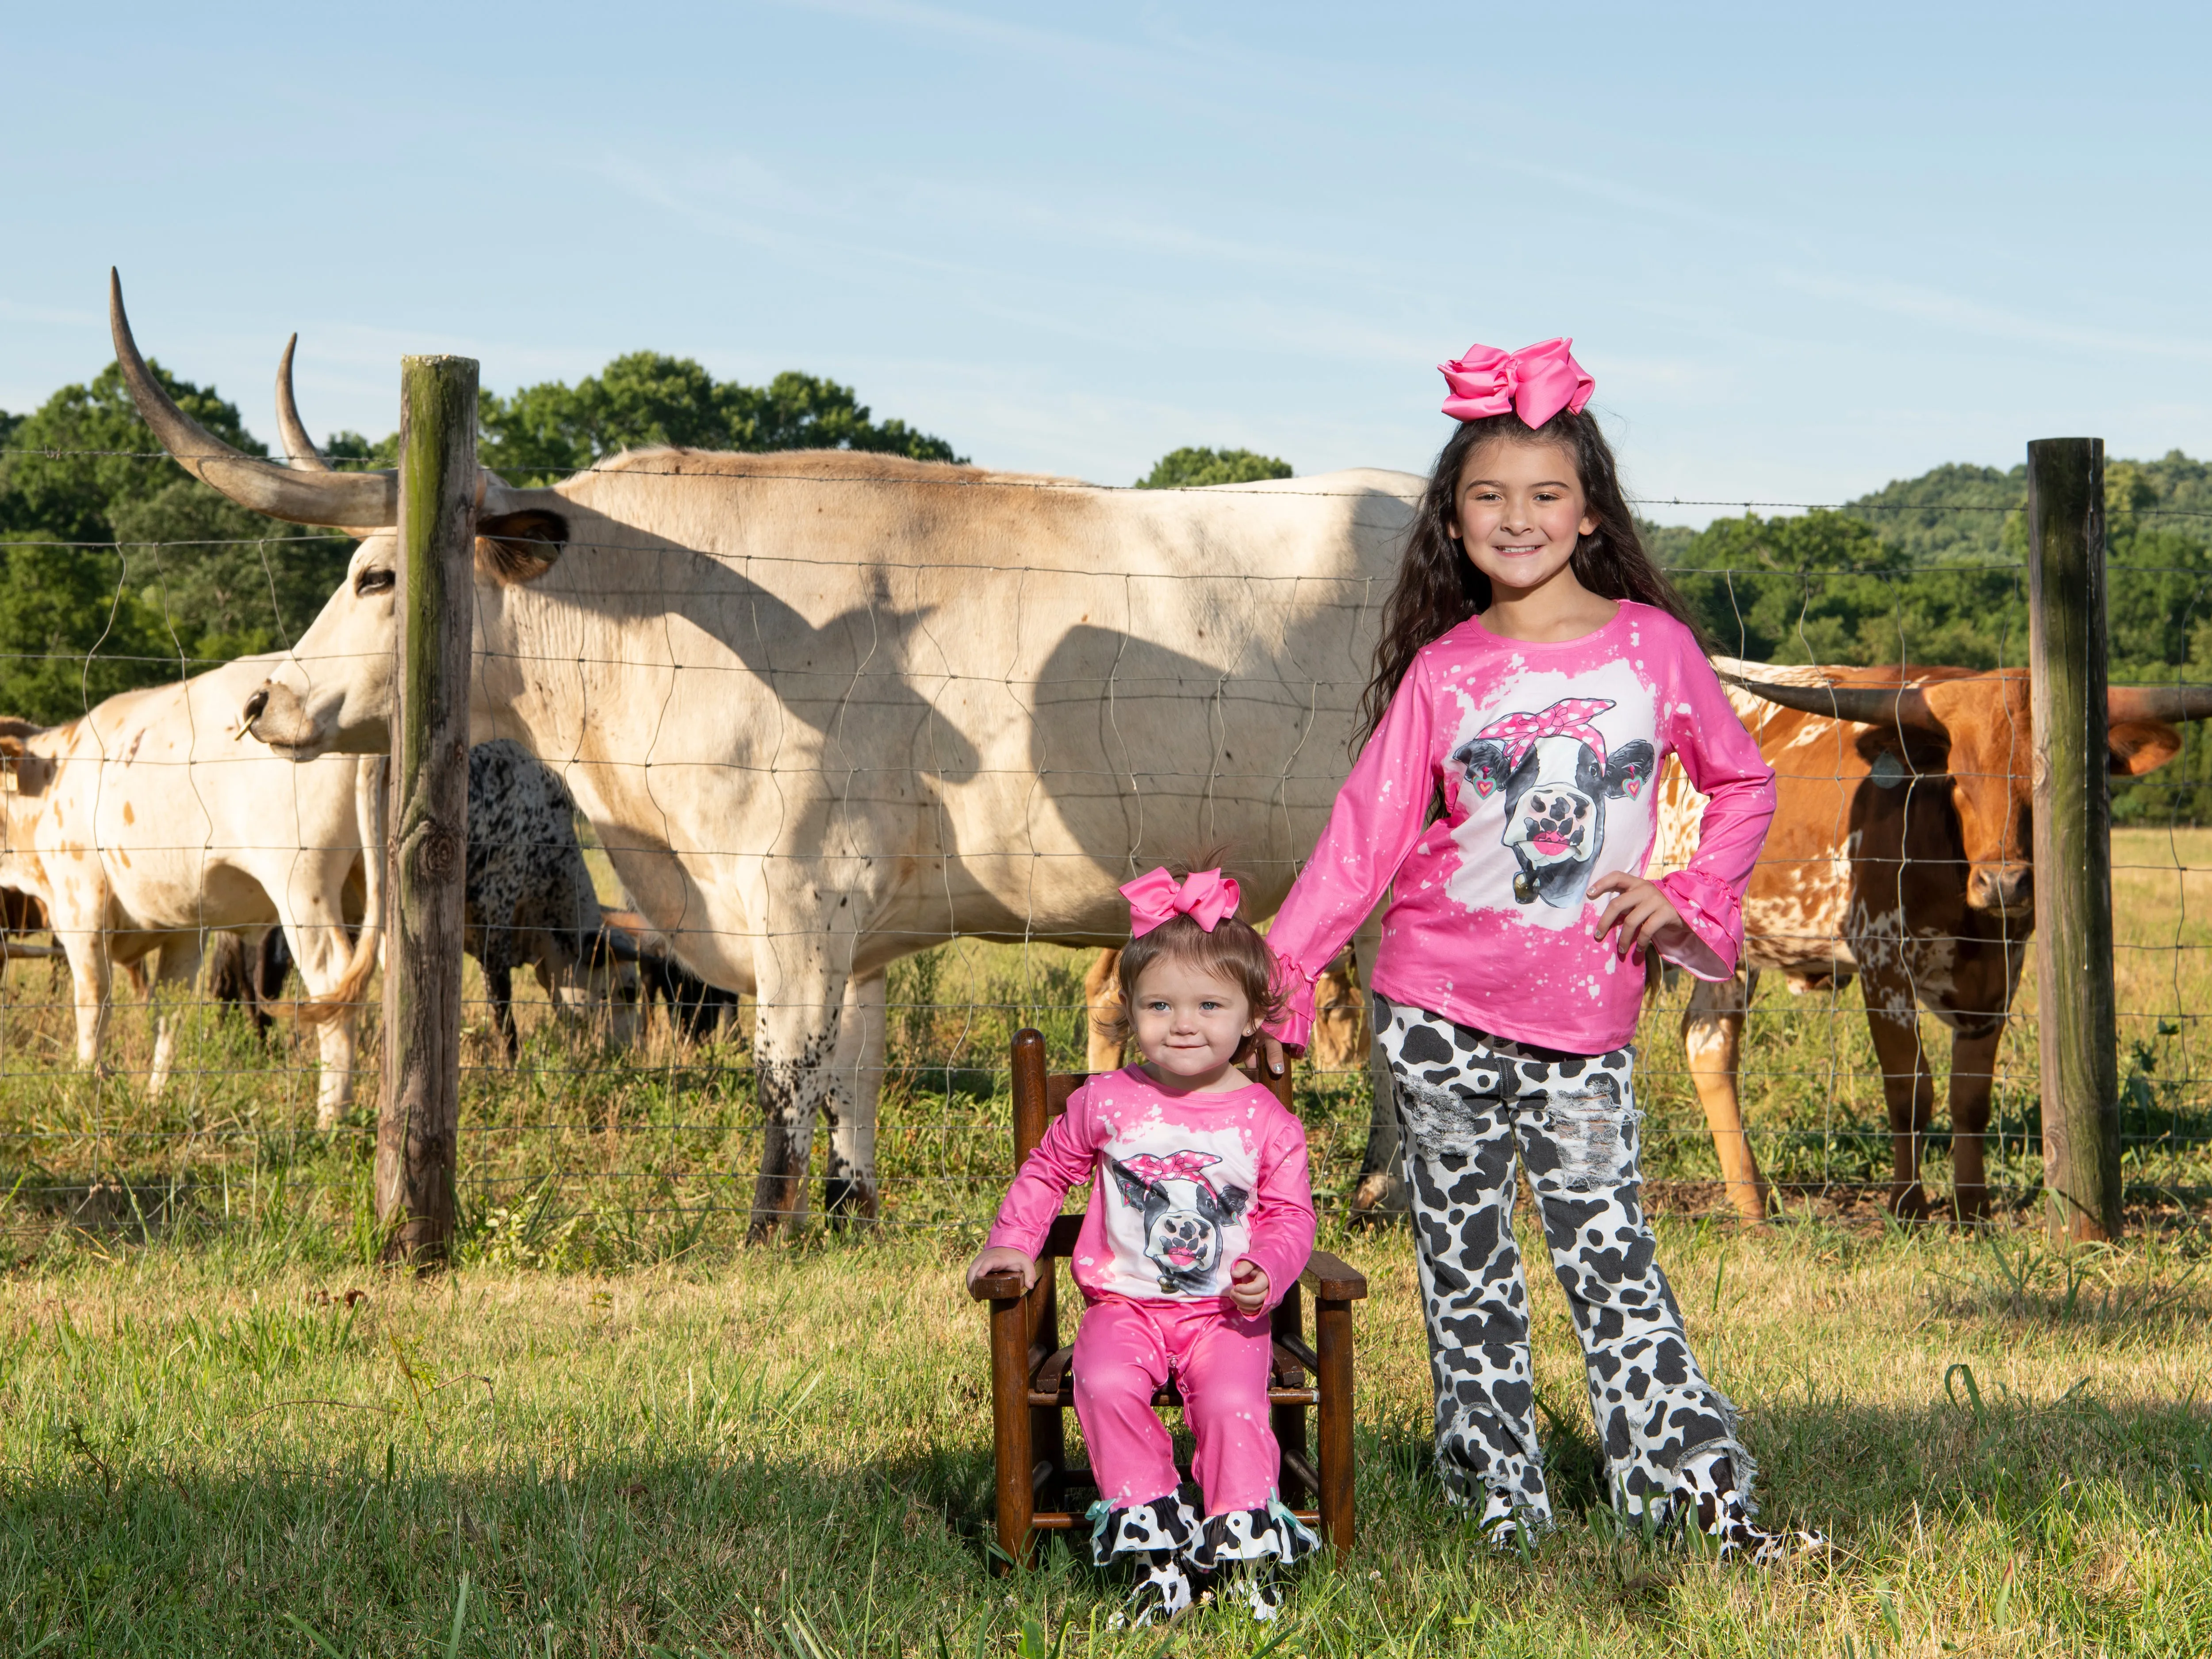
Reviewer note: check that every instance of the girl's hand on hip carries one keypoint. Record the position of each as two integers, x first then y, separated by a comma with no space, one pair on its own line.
1247,1287
1645,919
1002,1259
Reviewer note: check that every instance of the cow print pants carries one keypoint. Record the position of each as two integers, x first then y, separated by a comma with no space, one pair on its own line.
1464,1101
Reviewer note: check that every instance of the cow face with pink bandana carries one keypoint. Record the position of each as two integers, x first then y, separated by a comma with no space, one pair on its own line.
1183,1215
1556,776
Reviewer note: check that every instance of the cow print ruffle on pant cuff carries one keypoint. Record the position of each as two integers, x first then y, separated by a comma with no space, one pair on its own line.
1166,1522
1716,1501
1253,1536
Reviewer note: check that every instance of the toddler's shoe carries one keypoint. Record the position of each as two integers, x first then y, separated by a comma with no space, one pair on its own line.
1163,1590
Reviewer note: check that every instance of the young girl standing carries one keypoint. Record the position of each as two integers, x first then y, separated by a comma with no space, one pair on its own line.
1201,1217
1534,672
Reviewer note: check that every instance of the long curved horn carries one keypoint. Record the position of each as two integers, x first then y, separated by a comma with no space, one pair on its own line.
1898,706
335,498
2169,703
299,448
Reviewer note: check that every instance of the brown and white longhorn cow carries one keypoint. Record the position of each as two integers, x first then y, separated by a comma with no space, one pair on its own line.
1899,854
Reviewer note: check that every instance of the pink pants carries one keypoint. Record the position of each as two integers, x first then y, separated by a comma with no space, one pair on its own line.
1125,1350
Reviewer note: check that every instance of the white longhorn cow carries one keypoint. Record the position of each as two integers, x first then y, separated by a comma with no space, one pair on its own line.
827,708
147,823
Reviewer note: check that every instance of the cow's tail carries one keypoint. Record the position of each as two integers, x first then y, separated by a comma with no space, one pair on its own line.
369,802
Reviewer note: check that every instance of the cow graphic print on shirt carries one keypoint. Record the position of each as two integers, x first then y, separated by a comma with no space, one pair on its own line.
1183,1215
1556,775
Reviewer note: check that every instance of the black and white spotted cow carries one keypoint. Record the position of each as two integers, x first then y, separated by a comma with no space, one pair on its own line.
1557,777
529,897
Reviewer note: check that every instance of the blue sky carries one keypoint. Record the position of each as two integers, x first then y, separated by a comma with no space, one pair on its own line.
1802,258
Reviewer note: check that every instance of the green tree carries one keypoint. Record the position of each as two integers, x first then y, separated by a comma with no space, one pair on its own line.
74,628
545,432
88,500
1192,469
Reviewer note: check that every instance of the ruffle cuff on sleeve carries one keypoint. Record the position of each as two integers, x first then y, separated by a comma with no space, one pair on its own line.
1294,1027
1714,913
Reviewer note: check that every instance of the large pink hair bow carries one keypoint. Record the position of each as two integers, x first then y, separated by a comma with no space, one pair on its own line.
1208,897
1536,382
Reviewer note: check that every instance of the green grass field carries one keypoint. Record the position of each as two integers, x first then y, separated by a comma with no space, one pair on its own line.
613,1430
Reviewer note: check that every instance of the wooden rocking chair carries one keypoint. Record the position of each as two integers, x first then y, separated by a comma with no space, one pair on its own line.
1030,1385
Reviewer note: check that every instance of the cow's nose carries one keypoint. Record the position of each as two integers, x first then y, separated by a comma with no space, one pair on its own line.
2006,887
256,705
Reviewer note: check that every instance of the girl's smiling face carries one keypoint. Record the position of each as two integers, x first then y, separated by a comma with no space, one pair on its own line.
1188,1021
1517,511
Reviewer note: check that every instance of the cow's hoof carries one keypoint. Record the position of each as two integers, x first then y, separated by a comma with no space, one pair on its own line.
845,1199
1970,1205
1524,890
1380,1198
1909,1202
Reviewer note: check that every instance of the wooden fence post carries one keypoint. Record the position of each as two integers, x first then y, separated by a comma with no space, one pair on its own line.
418,1119
2073,831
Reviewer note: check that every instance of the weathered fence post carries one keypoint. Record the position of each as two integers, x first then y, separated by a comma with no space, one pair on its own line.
419,1117
2073,838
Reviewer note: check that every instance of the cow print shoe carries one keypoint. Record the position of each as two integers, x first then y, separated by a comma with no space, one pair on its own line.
1162,1526
1272,1532
1162,1590
1723,1514
1261,1585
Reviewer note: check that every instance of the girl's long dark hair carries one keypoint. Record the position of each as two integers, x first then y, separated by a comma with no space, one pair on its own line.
1439,586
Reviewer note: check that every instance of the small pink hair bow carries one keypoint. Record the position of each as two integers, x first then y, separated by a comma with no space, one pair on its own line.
1208,898
1536,382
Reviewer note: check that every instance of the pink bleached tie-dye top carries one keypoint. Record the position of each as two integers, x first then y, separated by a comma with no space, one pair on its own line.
1547,758
1182,1187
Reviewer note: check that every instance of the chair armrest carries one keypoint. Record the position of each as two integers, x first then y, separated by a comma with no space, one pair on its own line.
1005,1286
1332,1279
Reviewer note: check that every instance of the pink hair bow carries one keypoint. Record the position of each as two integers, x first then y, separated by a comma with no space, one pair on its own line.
1536,382
1569,717
1208,898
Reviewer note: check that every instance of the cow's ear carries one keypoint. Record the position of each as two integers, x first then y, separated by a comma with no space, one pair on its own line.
520,547
2141,746
1925,753
1133,1186
1628,769
1482,761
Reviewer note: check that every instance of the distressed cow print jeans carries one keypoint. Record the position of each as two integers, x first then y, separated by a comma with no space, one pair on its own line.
1464,1101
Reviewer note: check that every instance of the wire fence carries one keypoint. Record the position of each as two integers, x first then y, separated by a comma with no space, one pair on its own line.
627,1122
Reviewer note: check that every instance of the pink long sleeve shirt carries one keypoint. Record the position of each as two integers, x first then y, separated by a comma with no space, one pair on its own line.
1546,759
1182,1187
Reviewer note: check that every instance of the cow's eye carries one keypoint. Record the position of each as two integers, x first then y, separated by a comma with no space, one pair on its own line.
374,579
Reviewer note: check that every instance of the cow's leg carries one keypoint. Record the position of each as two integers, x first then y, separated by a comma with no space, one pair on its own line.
1713,1044
91,978
1382,1191
1340,1017
1893,1017
312,921
848,1188
1102,1000
179,965
802,995
1973,1072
